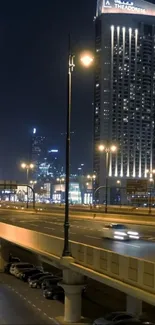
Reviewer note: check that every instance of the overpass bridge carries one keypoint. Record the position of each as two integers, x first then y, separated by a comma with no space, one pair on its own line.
133,276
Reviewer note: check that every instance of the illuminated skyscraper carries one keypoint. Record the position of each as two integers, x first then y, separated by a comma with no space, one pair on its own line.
124,103
38,150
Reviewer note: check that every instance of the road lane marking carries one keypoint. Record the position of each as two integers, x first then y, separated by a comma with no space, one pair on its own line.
49,228
72,233
92,237
136,246
32,224
39,309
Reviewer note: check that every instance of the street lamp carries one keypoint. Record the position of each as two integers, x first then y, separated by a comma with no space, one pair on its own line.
91,178
151,180
27,167
107,148
86,62
60,180
33,183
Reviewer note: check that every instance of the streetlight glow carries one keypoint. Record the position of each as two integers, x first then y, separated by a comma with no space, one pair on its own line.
86,60
101,147
23,165
113,148
108,148
31,166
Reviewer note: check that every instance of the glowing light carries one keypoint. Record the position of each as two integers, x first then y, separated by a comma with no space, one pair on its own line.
101,147
53,150
86,60
113,148
34,131
23,165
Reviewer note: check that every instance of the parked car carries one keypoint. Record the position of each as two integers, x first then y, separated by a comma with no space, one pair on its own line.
54,292
20,271
37,283
119,232
8,265
37,276
49,282
24,275
16,267
113,318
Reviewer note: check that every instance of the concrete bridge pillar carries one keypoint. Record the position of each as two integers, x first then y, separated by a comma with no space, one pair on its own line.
72,284
134,305
4,254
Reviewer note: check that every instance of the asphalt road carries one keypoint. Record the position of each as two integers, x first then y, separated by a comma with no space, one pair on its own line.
20,304
86,231
17,308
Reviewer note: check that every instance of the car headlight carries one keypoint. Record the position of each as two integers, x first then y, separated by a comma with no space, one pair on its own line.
120,233
119,237
134,233
133,237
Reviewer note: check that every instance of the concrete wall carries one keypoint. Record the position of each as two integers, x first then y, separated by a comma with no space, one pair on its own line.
122,272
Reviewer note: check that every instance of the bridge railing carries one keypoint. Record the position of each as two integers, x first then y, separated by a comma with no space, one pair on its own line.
129,270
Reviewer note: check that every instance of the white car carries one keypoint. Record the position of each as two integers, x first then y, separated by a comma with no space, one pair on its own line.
119,232
15,267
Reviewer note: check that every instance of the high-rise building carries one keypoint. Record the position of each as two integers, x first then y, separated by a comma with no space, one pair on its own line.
124,103
38,151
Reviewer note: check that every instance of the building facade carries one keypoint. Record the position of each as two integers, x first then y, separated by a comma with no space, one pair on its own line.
124,101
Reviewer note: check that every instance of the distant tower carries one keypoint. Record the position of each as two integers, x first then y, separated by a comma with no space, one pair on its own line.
37,151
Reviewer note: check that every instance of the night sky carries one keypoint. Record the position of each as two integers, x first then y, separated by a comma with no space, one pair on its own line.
33,75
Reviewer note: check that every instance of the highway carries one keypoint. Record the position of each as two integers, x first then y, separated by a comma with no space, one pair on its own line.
86,231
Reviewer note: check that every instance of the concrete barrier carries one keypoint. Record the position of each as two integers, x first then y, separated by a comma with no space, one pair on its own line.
135,272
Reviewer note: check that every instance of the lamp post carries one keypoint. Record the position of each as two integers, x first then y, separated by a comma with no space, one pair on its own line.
86,60
91,178
60,180
33,183
119,183
27,167
107,149
151,180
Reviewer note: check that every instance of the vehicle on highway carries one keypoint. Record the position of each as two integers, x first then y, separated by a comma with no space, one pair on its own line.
119,232
49,282
16,267
54,292
8,265
25,274
37,276
38,282
114,317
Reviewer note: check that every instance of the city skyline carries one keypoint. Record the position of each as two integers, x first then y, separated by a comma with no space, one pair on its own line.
33,80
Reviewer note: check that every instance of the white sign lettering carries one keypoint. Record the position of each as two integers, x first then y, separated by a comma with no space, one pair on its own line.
125,5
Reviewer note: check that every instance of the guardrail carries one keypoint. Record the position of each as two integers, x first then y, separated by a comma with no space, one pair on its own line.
138,273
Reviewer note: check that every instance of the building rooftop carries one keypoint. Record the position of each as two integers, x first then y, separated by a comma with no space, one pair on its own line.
138,7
